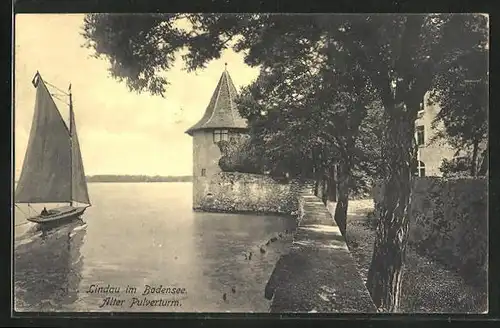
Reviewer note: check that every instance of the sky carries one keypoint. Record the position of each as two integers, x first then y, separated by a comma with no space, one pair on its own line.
120,132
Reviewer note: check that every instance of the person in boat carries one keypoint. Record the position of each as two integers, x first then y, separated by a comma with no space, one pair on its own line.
44,212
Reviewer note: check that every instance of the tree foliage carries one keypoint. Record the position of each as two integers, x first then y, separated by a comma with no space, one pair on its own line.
455,167
463,100
239,155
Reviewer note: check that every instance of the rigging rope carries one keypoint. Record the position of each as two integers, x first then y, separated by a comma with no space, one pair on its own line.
29,205
55,96
26,215
64,92
20,209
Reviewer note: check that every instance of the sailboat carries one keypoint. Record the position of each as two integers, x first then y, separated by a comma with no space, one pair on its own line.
52,170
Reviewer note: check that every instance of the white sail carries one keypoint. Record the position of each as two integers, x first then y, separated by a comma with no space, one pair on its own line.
79,184
52,169
46,172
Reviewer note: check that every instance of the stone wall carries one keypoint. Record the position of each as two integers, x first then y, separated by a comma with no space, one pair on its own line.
449,223
241,192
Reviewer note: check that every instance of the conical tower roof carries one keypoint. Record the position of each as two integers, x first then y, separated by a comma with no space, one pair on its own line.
221,112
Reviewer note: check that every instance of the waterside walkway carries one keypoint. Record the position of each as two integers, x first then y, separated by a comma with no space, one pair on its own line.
318,274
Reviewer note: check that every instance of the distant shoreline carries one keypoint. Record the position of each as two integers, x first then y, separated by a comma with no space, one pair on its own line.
135,181
137,178
108,178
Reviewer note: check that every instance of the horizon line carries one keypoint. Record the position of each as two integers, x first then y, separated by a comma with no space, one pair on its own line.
133,175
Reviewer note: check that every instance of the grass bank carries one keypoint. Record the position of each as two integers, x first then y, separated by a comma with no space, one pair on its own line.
427,286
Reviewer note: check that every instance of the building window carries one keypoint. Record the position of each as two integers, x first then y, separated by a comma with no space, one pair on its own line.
422,107
421,169
203,172
220,135
420,135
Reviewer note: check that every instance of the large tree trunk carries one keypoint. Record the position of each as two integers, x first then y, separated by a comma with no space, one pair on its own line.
320,175
324,186
332,183
315,172
385,273
483,170
316,182
475,150
343,196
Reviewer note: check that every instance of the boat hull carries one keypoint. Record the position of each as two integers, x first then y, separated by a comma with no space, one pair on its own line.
58,215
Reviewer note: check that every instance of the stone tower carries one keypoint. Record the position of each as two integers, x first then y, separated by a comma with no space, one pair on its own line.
221,121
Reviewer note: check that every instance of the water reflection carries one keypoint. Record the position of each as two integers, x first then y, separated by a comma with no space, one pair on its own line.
153,239
237,282
47,267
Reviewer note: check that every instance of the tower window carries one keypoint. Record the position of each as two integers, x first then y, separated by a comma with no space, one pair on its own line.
420,135
421,169
220,135
203,172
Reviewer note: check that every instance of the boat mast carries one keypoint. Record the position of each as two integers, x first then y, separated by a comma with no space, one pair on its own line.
71,140
35,81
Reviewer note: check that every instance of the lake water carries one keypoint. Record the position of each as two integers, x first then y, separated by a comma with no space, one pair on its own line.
138,234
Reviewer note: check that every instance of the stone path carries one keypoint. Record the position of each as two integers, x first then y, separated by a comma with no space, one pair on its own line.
318,274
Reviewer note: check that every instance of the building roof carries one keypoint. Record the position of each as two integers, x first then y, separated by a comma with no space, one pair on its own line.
221,111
